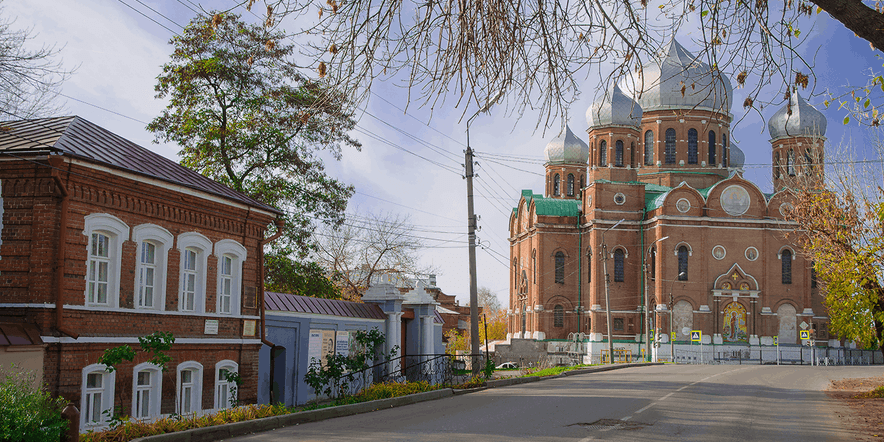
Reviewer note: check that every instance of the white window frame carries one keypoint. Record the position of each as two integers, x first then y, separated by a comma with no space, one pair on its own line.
202,246
154,391
108,381
162,241
237,253
231,366
196,396
117,232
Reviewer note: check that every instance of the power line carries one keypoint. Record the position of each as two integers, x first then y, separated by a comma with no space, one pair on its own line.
149,18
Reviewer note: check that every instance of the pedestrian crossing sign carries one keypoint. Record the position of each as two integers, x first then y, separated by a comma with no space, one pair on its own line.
805,334
696,335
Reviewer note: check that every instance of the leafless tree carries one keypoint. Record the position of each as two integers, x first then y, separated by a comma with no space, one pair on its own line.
488,300
536,51
366,247
30,79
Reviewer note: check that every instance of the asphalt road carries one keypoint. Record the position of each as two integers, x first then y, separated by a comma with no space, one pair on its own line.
659,403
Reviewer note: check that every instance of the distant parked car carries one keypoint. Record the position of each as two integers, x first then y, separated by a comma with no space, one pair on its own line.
507,366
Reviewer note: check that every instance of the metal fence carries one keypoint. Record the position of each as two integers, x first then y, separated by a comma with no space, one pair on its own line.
439,369
778,355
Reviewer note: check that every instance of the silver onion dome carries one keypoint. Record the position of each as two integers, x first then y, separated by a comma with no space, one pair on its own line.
796,119
737,158
679,80
567,149
614,108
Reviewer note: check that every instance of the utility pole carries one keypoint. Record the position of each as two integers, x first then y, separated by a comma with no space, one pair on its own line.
471,222
607,291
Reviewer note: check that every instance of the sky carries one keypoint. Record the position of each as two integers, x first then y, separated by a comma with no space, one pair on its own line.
410,163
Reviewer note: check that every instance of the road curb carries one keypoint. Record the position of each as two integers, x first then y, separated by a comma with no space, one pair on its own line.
235,429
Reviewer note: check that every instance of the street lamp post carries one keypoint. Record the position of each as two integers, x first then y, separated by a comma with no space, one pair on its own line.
607,291
647,302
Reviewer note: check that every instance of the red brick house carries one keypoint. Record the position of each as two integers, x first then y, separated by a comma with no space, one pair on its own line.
104,241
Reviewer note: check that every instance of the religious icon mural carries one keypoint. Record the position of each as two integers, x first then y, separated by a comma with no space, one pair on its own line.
734,323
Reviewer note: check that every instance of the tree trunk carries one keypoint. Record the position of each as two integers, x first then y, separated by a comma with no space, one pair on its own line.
864,21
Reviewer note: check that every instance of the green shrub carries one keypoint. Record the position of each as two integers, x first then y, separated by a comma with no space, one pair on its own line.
28,414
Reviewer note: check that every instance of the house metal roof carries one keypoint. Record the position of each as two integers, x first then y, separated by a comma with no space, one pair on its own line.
304,304
78,137
14,334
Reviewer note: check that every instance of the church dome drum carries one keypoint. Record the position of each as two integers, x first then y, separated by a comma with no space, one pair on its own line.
679,80
566,149
614,108
797,119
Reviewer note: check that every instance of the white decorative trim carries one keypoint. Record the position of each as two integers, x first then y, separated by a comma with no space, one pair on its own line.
746,253
25,305
146,312
117,232
203,246
133,340
196,397
621,197
230,366
162,239
785,247
681,207
237,252
156,390
723,252
108,381
683,243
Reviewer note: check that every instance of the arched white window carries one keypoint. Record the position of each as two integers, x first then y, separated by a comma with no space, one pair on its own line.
153,244
693,140
225,391
570,184
603,153
649,148
147,387
231,256
195,249
97,396
618,153
189,392
556,184
104,251
669,149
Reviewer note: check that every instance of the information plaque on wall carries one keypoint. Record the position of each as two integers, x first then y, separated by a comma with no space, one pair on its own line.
211,327
248,327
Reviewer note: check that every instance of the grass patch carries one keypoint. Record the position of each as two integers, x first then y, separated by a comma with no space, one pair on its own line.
553,371
877,393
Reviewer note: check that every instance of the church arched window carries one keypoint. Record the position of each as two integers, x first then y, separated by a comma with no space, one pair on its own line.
776,166
556,179
559,316
786,258
582,182
618,153
570,184
632,154
683,263
603,153
589,265
649,148
653,263
670,146
534,265
560,267
808,160
692,146
790,163
619,272
711,148
724,150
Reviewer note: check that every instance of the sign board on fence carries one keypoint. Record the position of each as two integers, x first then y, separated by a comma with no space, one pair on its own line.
805,334
314,349
696,335
342,343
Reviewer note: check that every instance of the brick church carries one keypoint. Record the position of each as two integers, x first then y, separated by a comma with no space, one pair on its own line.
654,198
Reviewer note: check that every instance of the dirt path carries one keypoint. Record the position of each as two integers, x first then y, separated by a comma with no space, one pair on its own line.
864,416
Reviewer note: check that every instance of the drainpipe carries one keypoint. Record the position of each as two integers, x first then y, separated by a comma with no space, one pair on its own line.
279,225
57,162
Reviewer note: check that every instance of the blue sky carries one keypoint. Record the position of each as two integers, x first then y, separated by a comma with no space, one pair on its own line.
118,52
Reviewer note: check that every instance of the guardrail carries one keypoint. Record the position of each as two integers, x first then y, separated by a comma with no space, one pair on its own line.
778,355
436,369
